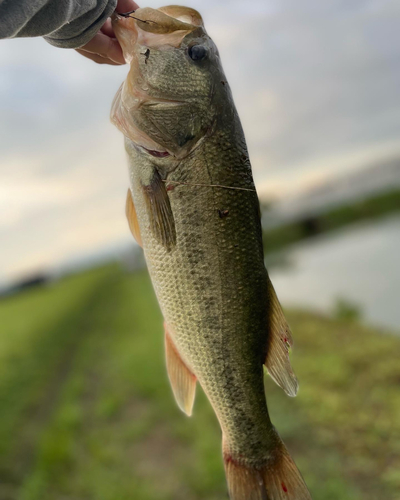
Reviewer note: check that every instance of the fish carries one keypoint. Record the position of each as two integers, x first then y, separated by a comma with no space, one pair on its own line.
193,207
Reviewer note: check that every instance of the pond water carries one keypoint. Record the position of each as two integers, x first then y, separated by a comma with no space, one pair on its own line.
360,264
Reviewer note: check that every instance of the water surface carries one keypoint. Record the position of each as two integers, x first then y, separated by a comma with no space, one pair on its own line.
360,264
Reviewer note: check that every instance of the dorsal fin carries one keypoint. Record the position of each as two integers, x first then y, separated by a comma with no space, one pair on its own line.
132,218
279,342
183,382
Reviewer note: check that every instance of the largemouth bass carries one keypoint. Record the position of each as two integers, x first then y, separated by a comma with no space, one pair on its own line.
193,207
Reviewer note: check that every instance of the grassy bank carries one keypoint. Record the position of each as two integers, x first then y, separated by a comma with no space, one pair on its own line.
89,415
368,209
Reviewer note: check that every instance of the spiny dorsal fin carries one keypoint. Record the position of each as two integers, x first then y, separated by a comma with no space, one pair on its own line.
160,212
183,382
132,218
279,342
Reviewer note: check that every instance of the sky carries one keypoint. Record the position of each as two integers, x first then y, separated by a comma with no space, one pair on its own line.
316,84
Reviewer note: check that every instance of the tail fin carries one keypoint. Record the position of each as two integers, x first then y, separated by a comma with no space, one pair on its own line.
277,479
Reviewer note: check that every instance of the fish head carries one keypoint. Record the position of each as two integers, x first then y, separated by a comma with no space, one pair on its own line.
166,104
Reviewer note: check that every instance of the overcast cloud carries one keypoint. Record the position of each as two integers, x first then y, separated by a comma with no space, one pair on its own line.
317,85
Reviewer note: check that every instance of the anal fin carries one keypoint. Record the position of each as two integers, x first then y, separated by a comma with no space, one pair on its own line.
182,380
132,218
279,342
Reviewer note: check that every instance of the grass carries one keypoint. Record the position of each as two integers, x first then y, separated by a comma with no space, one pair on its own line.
89,415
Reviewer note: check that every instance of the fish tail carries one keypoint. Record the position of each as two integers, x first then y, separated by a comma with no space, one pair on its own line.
277,478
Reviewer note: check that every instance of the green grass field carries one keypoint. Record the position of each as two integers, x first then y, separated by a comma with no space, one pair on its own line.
87,412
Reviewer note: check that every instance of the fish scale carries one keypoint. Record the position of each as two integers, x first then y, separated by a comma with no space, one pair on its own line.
193,206
213,285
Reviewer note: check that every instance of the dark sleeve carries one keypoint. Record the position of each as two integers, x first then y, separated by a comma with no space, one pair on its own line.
63,23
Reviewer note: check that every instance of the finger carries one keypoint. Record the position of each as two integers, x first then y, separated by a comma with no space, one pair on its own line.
97,58
106,47
126,6
107,29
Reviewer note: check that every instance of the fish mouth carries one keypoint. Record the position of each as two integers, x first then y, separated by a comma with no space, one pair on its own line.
164,27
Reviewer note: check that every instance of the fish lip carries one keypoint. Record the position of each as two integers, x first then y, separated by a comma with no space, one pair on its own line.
126,32
123,23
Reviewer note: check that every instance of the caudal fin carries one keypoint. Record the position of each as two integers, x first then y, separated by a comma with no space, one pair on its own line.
277,479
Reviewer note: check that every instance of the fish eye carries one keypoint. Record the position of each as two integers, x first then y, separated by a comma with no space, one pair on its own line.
197,52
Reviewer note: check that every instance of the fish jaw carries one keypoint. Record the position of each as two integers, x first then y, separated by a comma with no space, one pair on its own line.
165,27
126,32
185,14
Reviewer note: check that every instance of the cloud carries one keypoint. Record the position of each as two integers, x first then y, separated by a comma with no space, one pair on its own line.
316,85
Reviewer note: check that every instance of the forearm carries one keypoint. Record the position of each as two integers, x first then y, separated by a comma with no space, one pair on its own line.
63,23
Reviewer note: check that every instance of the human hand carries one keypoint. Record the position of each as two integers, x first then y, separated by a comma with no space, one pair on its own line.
104,48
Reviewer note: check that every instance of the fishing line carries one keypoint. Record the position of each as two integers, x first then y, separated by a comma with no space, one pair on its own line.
128,14
210,185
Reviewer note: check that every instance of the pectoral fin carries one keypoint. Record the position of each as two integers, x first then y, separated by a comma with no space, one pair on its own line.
132,218
183,382
279,342
159,208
